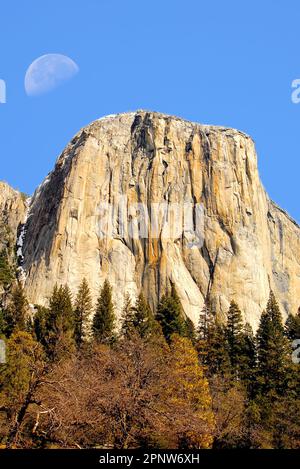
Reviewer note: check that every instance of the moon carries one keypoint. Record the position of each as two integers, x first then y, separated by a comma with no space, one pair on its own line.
48,72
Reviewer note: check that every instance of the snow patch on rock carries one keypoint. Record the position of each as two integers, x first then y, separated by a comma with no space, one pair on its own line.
20,243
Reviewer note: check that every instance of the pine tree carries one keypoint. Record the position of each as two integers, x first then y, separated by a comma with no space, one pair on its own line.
205,326
40,322
206,318
127,317
217,357
143,321
60,309
234,336
104,318
190,331
170,315
6,271
278,382
211,345
272,349
60,323
292,326
15,314
247,359
292,333
82,312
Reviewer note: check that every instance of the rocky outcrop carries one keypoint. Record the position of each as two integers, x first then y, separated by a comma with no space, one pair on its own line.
12,214
239,247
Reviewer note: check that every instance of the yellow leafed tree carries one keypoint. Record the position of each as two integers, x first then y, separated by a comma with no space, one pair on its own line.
189,391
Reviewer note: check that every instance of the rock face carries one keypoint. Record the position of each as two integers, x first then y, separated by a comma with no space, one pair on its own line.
241,246
12,214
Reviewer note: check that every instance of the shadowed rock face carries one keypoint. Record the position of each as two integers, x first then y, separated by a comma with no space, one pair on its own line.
249,245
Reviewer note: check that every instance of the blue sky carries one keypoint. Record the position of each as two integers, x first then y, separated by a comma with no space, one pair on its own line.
226,63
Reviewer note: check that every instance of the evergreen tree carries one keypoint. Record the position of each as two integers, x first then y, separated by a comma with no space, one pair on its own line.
143,321
6,271
59,324
190,331
206,318
40,322
15,314
247,359
82,312
104,318
205,326
217,357
211,345
292,326
170,315
278,383
127,317
234,336
272,349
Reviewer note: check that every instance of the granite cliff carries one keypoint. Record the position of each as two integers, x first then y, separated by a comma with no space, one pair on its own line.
242,246
12,213
13,208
